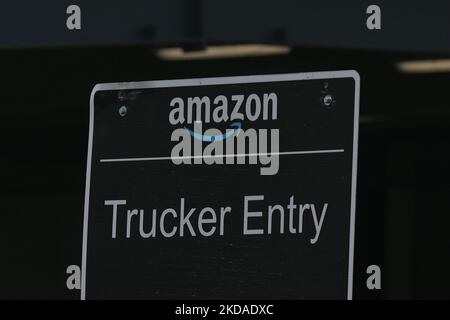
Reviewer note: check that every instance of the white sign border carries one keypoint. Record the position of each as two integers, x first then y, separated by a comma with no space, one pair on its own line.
218,81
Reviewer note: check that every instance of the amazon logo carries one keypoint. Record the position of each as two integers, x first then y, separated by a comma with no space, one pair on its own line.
198,139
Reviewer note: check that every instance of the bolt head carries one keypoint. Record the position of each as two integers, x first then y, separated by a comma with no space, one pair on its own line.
327,100
123,111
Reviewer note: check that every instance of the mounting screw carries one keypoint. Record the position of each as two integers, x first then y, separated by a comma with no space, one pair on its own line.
327,100
123,111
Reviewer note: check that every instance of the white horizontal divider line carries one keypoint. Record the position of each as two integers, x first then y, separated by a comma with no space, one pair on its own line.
263,154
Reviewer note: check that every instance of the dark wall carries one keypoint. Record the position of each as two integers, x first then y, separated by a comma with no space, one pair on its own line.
407,25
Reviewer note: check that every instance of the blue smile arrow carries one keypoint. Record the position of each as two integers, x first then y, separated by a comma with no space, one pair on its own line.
203,137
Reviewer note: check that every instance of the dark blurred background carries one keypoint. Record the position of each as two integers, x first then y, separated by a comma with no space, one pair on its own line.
403,210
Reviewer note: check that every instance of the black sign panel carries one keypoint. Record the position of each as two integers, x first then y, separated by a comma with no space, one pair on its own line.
222,188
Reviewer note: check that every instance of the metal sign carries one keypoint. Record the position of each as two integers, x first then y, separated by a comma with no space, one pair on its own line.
229,188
